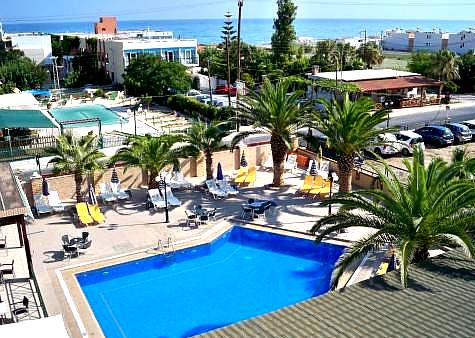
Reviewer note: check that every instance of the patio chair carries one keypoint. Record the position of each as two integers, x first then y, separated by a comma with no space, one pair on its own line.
261,212
214,190
156,199
291,162
83,214
212,214
8,269
246,210
21,311
70,251
55,202
65,239
191,218
41,204
171,199
96,213
119,193
85,244
106,193
203,219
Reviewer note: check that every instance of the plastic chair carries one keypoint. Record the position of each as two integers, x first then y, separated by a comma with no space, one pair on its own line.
83,214
96,213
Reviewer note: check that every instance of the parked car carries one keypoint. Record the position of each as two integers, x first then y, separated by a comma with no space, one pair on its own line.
437,135
384,145
202,97
193,92
471,125
408,141
461,132
224,89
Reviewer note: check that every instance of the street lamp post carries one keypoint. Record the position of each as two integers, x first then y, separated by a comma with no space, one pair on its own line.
162,185
333,177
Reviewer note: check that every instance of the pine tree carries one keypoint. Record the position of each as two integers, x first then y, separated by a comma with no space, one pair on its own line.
284,32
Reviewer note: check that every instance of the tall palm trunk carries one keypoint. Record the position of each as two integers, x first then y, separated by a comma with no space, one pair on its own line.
78,182
209,164
152,183
345,172
279,150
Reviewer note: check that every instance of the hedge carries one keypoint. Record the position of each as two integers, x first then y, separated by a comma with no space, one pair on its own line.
197,110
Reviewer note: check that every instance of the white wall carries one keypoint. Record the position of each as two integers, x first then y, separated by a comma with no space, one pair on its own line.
36,47
462,42
430,41
398,40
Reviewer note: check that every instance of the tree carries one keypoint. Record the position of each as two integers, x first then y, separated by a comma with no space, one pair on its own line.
150,153
463,163
206,139
445,65
431,209
349,128
77,156
18,71
371,54
421,62
284,34
273,111
467,73
330,56
149,75
86,69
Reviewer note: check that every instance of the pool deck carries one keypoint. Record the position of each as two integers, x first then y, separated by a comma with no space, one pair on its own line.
131,232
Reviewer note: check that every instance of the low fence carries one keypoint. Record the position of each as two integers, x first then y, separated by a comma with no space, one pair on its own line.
28,148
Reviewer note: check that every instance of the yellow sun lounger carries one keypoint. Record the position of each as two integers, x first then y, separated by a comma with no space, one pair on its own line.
320,187
83,214
307,184
96,213
383,268
241,176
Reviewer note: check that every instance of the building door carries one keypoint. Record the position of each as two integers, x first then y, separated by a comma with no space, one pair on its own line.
170,56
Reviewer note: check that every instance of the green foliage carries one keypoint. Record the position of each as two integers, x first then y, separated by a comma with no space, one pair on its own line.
152,154
248,80
445,66
421,62
148,75
467,73
18,71
76,156
341,87
74,80
100,93
86,70
331,56
198,110
433,209
7,88
69,45
284,35
371,54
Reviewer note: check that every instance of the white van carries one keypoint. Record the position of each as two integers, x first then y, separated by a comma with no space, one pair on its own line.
384,144
408,141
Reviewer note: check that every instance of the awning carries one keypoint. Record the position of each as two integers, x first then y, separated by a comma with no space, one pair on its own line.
404,82
26,118
49,327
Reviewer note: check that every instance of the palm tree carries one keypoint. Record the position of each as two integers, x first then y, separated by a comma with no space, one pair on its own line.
371,54
349,128
431,209
275,112
445,65
150,153
206,139
77,156
463,163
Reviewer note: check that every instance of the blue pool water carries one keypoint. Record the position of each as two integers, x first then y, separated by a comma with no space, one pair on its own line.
241,274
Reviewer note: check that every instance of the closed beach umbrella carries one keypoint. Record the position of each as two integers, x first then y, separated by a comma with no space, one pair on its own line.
114,176
91,196
44,187
243,160
313,168
219,172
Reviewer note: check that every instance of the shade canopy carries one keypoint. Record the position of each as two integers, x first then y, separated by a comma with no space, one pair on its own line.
114,176
91,196
219,172
313,168
243,162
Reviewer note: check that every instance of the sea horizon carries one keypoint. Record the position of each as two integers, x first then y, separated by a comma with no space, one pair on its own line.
254,31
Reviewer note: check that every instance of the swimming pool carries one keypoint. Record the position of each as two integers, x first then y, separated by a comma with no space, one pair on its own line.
85,111
241,274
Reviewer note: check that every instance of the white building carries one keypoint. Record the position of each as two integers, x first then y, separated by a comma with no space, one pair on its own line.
435,40
119,53
35,46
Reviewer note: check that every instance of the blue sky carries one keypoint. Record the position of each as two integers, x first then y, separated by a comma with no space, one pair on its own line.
88,10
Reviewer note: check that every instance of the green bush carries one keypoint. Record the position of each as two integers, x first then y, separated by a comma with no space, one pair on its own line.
195,109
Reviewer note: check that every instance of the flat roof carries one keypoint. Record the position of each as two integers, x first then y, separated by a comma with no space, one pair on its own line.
11,203
415,81
365,74
18,100
437,303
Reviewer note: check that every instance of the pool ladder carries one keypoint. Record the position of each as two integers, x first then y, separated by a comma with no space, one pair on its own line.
167,249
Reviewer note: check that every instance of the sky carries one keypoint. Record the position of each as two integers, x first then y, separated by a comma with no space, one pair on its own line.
18,11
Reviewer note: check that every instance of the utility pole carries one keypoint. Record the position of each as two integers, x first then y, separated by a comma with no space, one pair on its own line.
228,33
238,75
209,84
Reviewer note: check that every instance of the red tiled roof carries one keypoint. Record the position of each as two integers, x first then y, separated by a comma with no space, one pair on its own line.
396,83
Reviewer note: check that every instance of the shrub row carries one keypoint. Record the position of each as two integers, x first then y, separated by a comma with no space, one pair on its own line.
197,110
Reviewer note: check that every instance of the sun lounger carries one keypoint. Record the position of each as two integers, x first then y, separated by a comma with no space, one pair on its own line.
291,162
156,199
307,184
118,192
251,176
171,199
320,188
54,201
241,176
177,181
41,204
383,268
106,193
230,190
83,214
96,213
214,190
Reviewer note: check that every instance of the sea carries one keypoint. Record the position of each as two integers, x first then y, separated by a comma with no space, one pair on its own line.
254,31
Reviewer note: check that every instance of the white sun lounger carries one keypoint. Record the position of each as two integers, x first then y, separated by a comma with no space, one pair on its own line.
171,199
118,192
214,190
41,205
156,199
54,201
291,162
106,193
226,187
177,181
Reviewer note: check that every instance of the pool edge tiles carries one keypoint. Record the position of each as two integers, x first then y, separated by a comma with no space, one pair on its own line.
87,315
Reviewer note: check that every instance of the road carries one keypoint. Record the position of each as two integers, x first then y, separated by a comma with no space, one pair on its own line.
437,115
